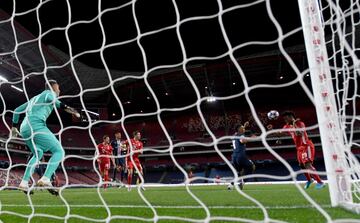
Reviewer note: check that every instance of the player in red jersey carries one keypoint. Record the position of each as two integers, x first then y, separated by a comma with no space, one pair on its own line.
304,147
105,151
135,146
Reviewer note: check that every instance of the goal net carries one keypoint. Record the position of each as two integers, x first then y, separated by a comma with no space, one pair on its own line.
185,78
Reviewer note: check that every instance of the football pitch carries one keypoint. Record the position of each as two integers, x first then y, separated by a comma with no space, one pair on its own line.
282,202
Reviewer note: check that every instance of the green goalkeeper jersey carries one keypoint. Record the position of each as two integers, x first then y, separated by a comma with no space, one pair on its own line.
37,108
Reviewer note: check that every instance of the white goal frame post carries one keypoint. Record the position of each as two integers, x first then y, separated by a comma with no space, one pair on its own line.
337,155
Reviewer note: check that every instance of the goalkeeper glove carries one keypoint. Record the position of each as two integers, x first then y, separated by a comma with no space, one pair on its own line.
70,110
14,132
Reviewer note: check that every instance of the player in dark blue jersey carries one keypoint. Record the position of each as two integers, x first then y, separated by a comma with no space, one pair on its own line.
239,159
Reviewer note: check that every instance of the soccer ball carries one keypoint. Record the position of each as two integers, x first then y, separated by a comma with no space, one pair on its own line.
273,115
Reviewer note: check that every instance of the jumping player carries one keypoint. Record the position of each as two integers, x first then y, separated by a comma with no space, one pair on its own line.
105,150
304,147
37,136
135,146
239,159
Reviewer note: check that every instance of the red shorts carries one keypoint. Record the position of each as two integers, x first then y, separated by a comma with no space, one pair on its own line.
130,164
103,165
306,153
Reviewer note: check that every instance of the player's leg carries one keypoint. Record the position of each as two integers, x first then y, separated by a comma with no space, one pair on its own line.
30,167
307,158
302,159
120,170
130,170
140,174
307,175
31,140
106,174
55,180
101,169
58,154
320,184
123,169
235,164
248,167
115,170
139,167
48,140
311,157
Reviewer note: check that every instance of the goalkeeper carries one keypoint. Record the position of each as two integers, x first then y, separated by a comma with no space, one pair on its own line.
37,136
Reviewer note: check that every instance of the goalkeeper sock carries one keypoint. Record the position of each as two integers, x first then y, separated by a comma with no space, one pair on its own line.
129,179
24,183
45,179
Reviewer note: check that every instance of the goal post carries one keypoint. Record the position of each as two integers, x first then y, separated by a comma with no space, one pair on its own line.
338,158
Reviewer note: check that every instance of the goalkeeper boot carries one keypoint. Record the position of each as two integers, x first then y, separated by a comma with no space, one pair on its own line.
46,183
308,183
24,187
319,186
142,188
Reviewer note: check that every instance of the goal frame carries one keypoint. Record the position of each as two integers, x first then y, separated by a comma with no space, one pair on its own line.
333,145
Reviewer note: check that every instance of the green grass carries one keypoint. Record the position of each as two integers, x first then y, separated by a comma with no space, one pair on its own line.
282,202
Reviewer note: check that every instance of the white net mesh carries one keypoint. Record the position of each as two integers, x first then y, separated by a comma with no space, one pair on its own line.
341,26
344,62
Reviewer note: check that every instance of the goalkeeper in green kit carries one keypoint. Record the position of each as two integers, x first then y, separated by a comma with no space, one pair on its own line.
38,137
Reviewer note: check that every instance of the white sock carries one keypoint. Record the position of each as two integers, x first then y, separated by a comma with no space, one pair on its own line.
44,178
24,183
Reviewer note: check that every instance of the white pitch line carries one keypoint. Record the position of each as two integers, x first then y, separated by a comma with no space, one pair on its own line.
164,206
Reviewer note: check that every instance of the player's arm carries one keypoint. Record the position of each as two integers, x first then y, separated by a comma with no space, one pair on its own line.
98,153
280,133
246,124
16,117
50,97
245,140
297,124
277,134
126,147
113,162
112,143
112,157
123,146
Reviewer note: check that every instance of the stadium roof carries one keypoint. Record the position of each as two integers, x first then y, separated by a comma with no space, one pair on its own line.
201,38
